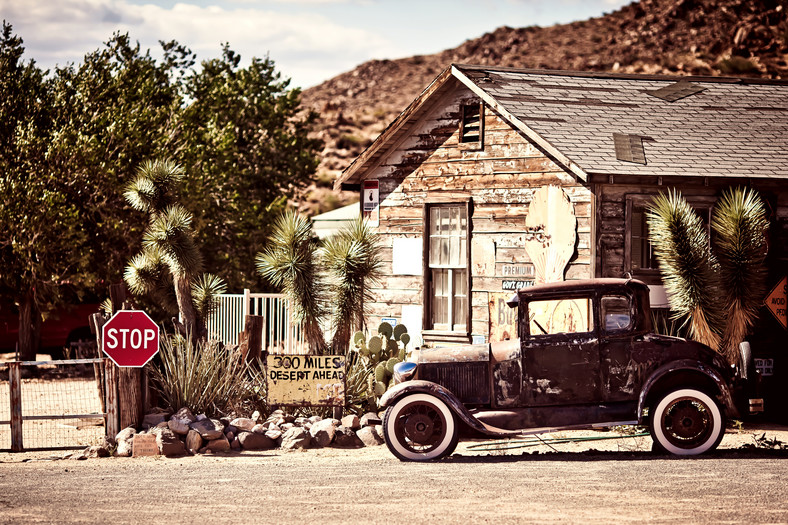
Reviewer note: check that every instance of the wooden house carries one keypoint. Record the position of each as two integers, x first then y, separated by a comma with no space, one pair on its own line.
494,177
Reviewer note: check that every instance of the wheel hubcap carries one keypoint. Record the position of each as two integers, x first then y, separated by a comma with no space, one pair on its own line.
687,422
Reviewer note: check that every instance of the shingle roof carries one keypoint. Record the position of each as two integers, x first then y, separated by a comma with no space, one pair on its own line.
732,128
708,127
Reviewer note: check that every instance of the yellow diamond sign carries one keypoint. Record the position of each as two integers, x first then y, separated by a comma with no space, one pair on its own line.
776,301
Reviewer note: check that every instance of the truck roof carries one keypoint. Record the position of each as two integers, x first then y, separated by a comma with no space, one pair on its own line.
579,285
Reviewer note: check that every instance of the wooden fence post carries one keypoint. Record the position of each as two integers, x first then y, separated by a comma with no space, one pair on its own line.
111,392
15,385
253,328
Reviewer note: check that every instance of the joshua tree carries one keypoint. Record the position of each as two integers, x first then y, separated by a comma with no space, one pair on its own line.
310,276
717,291
352,258
169,256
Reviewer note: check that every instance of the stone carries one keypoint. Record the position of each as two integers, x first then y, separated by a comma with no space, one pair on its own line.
259,429
255,441
153,419
194,441
369,437
125,440
315,419
323,432
200,417
300,421
284,427
352,422
230,436
346,438
208,428
185,415
230,428
244,423
96,451
273,434
370,418
235,444
379,432
178,426
218,445
256,416
296,438
169,443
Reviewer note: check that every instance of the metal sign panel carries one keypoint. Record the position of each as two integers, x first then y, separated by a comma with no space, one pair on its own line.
306,380
776,301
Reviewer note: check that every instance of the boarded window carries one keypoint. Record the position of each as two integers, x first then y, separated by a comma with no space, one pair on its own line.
448,267
472,124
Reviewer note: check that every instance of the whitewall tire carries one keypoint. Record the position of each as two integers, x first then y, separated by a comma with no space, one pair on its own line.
687,422
420,427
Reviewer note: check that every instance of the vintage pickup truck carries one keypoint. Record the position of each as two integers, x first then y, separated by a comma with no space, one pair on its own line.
586,356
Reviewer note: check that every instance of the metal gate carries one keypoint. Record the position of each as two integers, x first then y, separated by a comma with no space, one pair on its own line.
281,334
52,404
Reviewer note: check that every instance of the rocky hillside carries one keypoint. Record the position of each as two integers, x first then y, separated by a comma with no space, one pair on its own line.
675,37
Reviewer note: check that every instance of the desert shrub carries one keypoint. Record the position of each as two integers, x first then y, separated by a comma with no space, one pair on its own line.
205,376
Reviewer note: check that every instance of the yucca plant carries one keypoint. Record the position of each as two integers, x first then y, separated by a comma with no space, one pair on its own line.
740,226
291,264
352,259
169,258
718,291
204,376
687,265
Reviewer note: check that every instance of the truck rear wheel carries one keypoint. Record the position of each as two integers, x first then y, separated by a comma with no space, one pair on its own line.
687,422
420,427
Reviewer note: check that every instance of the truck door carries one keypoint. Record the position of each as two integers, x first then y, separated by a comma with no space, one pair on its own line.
561,362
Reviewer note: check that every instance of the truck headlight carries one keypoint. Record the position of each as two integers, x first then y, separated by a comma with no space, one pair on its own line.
404,371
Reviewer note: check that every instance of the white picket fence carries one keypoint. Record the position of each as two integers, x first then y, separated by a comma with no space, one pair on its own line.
280,333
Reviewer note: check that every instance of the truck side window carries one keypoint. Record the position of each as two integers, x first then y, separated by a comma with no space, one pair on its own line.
563,316
616,312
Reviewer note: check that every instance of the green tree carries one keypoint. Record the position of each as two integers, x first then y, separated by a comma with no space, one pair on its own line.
718,286
39,248
244,136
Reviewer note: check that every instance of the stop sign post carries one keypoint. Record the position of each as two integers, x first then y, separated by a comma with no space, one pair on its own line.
130,338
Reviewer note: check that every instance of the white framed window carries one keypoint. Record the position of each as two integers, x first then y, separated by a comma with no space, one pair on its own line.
447,278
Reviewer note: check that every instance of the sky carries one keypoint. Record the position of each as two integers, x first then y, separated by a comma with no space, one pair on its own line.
309,40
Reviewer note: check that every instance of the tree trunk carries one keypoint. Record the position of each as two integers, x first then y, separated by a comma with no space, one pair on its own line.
183,293
28,340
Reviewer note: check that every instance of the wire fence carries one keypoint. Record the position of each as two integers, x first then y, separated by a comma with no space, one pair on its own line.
57,403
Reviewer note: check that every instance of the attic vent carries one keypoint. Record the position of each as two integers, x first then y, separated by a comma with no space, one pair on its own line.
629,148
472,124
676,91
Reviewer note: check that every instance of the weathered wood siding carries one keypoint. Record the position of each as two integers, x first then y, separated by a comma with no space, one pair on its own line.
500,180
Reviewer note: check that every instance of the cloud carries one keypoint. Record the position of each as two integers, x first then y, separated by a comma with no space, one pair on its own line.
305,46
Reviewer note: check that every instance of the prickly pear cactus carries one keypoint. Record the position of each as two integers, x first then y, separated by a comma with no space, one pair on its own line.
381,353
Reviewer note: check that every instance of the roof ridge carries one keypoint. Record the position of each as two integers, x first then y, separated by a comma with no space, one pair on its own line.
625,76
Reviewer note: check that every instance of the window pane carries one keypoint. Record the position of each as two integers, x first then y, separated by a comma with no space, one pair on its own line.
616,312
440,299
561,316
460,309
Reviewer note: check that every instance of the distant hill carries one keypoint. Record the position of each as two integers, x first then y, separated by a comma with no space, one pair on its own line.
674,37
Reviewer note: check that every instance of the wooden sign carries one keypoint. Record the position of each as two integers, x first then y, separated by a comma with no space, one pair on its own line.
306,380
776,301
144,445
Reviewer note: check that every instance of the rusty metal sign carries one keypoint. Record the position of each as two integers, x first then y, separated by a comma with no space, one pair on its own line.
503,318
306,380
776,301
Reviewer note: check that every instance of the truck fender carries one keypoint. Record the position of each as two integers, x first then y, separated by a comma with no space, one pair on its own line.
695,366
397,392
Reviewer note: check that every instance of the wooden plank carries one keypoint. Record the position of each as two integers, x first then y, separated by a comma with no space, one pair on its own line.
129,397
111,392
253,328
15,386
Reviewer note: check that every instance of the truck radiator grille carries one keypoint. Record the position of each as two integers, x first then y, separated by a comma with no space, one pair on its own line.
470,382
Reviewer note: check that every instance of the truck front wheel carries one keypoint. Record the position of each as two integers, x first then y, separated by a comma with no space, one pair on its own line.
687,422
420,427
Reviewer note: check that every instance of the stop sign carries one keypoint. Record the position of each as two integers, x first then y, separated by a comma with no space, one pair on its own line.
130,338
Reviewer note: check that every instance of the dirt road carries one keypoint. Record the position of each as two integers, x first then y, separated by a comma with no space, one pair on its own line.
621,481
